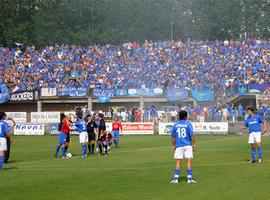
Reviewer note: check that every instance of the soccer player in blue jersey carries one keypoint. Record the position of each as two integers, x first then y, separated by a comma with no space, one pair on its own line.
4,130
253,123
183,142
83,135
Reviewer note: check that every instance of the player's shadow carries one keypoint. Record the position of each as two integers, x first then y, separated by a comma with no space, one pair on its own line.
14,161
10,168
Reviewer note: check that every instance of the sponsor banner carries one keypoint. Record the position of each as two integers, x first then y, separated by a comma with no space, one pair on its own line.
134,128
211,127
102,92
19,117
137,128
104,99
72,92
48,92
199,128
45,117
53,129
138,92
242,89
29,129
202,94
24,96
258,88
175,94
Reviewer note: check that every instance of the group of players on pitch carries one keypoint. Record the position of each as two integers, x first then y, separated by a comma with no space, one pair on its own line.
183,139
92,130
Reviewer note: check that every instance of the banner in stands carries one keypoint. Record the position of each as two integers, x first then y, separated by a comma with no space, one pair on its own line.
199,128
202,94
104,99
29,129
19,117
242,89
48,92
45,117
4,93
102,92
72,92
120,92
139,92
259,88
176,94
27,96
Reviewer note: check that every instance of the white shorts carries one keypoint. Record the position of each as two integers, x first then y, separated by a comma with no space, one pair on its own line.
255,137
183,152
83,136
3,144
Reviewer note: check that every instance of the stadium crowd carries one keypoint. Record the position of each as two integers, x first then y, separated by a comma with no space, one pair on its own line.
220,65
199,113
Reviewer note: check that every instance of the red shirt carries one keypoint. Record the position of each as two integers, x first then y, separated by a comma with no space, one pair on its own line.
116,126
65,127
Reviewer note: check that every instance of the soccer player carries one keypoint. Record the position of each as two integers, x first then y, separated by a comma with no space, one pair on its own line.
102,135
83,136
183,142
116,127
4,130
91,130
253,123
63,136
109,140
9,141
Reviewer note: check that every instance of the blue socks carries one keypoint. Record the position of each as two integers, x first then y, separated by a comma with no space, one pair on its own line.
259,152
84,149
1,162
189,174
116,142
253,153
57,150
176,174
63,149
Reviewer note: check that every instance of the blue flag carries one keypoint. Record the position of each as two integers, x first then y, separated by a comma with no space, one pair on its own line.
242,89
176,94
202,94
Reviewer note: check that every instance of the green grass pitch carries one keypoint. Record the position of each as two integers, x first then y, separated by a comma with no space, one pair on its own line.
141,169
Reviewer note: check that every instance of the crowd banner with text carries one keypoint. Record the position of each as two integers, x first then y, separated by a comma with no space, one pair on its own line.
140,92
48,92
259,88
72,92
28,96
102,92
176,94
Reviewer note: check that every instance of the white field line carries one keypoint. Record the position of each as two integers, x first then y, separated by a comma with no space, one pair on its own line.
30,168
